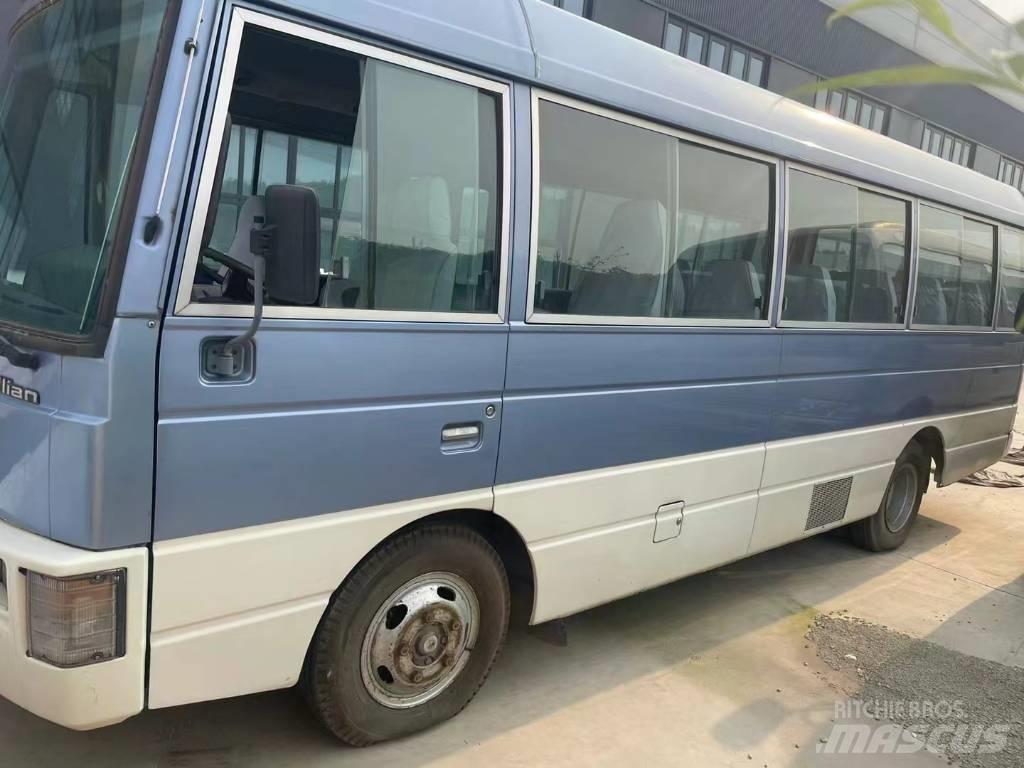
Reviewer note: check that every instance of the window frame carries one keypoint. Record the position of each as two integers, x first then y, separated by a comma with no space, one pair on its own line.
560,5
203,192
1013,169
911,246
996,266
968,147
728,43
547,318
863,101
1000,229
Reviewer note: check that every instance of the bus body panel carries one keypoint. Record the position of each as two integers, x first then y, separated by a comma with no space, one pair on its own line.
224,626
267,494
836,380
492,36
25,462
602,425
315,430
586,397
81,470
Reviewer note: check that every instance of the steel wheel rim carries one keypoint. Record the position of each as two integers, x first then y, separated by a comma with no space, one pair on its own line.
419,640
900,498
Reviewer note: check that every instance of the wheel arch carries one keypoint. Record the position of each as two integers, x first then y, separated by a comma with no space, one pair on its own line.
931,440
496,530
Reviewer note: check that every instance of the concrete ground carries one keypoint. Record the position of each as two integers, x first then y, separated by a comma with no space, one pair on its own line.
713,670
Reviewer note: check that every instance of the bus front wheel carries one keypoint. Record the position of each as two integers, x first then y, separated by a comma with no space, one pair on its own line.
410,637
889,527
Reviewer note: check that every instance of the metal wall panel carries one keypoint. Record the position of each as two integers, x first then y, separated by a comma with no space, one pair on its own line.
795,30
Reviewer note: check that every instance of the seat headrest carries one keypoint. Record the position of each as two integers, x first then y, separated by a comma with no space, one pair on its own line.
240,249
634,239
420,215
729,289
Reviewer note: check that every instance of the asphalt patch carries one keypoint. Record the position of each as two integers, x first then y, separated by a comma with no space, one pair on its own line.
962,701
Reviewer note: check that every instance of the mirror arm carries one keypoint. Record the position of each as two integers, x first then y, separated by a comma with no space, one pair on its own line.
258,279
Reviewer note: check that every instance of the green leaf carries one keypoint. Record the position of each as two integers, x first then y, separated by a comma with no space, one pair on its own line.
1016,64
920,74
931,10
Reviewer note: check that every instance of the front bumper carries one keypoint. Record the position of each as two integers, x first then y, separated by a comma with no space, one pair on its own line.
83,697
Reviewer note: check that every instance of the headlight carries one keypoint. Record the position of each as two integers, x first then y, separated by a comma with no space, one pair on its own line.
76,620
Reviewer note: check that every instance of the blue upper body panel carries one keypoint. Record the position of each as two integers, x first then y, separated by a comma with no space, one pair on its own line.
343,417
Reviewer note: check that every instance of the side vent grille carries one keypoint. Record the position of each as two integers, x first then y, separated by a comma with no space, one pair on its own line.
828,502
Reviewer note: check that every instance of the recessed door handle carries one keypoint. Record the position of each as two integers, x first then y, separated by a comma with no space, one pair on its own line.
460,437
462,432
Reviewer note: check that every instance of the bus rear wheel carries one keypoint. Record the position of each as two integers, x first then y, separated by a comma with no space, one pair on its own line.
889,527
411,636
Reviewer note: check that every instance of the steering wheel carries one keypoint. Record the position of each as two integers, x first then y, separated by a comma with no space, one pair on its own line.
222,258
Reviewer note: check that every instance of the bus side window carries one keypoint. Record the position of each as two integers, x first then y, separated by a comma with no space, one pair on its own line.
409,219
955,274
611,242
857,270
1012,268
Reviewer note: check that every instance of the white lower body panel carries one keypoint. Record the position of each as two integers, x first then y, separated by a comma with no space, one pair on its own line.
234,611
83,697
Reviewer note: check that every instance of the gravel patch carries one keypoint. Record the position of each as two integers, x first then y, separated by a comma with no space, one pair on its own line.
924,687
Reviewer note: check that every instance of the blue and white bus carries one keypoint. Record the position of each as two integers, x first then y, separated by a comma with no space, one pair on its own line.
332,331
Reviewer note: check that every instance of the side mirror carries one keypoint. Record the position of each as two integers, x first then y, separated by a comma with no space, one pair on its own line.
287,251
1018,317
290,243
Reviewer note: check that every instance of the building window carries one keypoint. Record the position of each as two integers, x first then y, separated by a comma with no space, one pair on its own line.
578,7
719,53
1011,172
949,146
854,108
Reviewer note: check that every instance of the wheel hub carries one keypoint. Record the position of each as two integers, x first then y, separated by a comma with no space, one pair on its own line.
419,640
900,498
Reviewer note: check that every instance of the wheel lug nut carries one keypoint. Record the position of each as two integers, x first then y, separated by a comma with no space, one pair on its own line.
405,651
455,626
417,677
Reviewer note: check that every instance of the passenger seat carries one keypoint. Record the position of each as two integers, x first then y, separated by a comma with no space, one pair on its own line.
730,289
874,297
240,250
415,256
810,294
625,276
930,304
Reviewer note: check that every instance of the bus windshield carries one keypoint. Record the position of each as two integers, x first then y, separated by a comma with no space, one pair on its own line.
75,74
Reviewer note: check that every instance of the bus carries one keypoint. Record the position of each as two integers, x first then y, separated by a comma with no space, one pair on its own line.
332,335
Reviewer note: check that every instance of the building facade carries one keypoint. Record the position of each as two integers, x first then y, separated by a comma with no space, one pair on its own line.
783,45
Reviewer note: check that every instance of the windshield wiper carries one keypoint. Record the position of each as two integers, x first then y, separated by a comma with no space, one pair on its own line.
17,356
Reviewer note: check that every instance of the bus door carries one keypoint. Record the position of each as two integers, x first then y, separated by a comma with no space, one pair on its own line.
382,382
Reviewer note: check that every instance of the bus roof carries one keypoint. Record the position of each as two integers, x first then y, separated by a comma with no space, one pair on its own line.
535,42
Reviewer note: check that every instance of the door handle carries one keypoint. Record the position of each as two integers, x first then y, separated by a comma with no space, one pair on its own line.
460,437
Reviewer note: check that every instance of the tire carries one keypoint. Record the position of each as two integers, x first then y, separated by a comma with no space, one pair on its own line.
889,527
409,606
